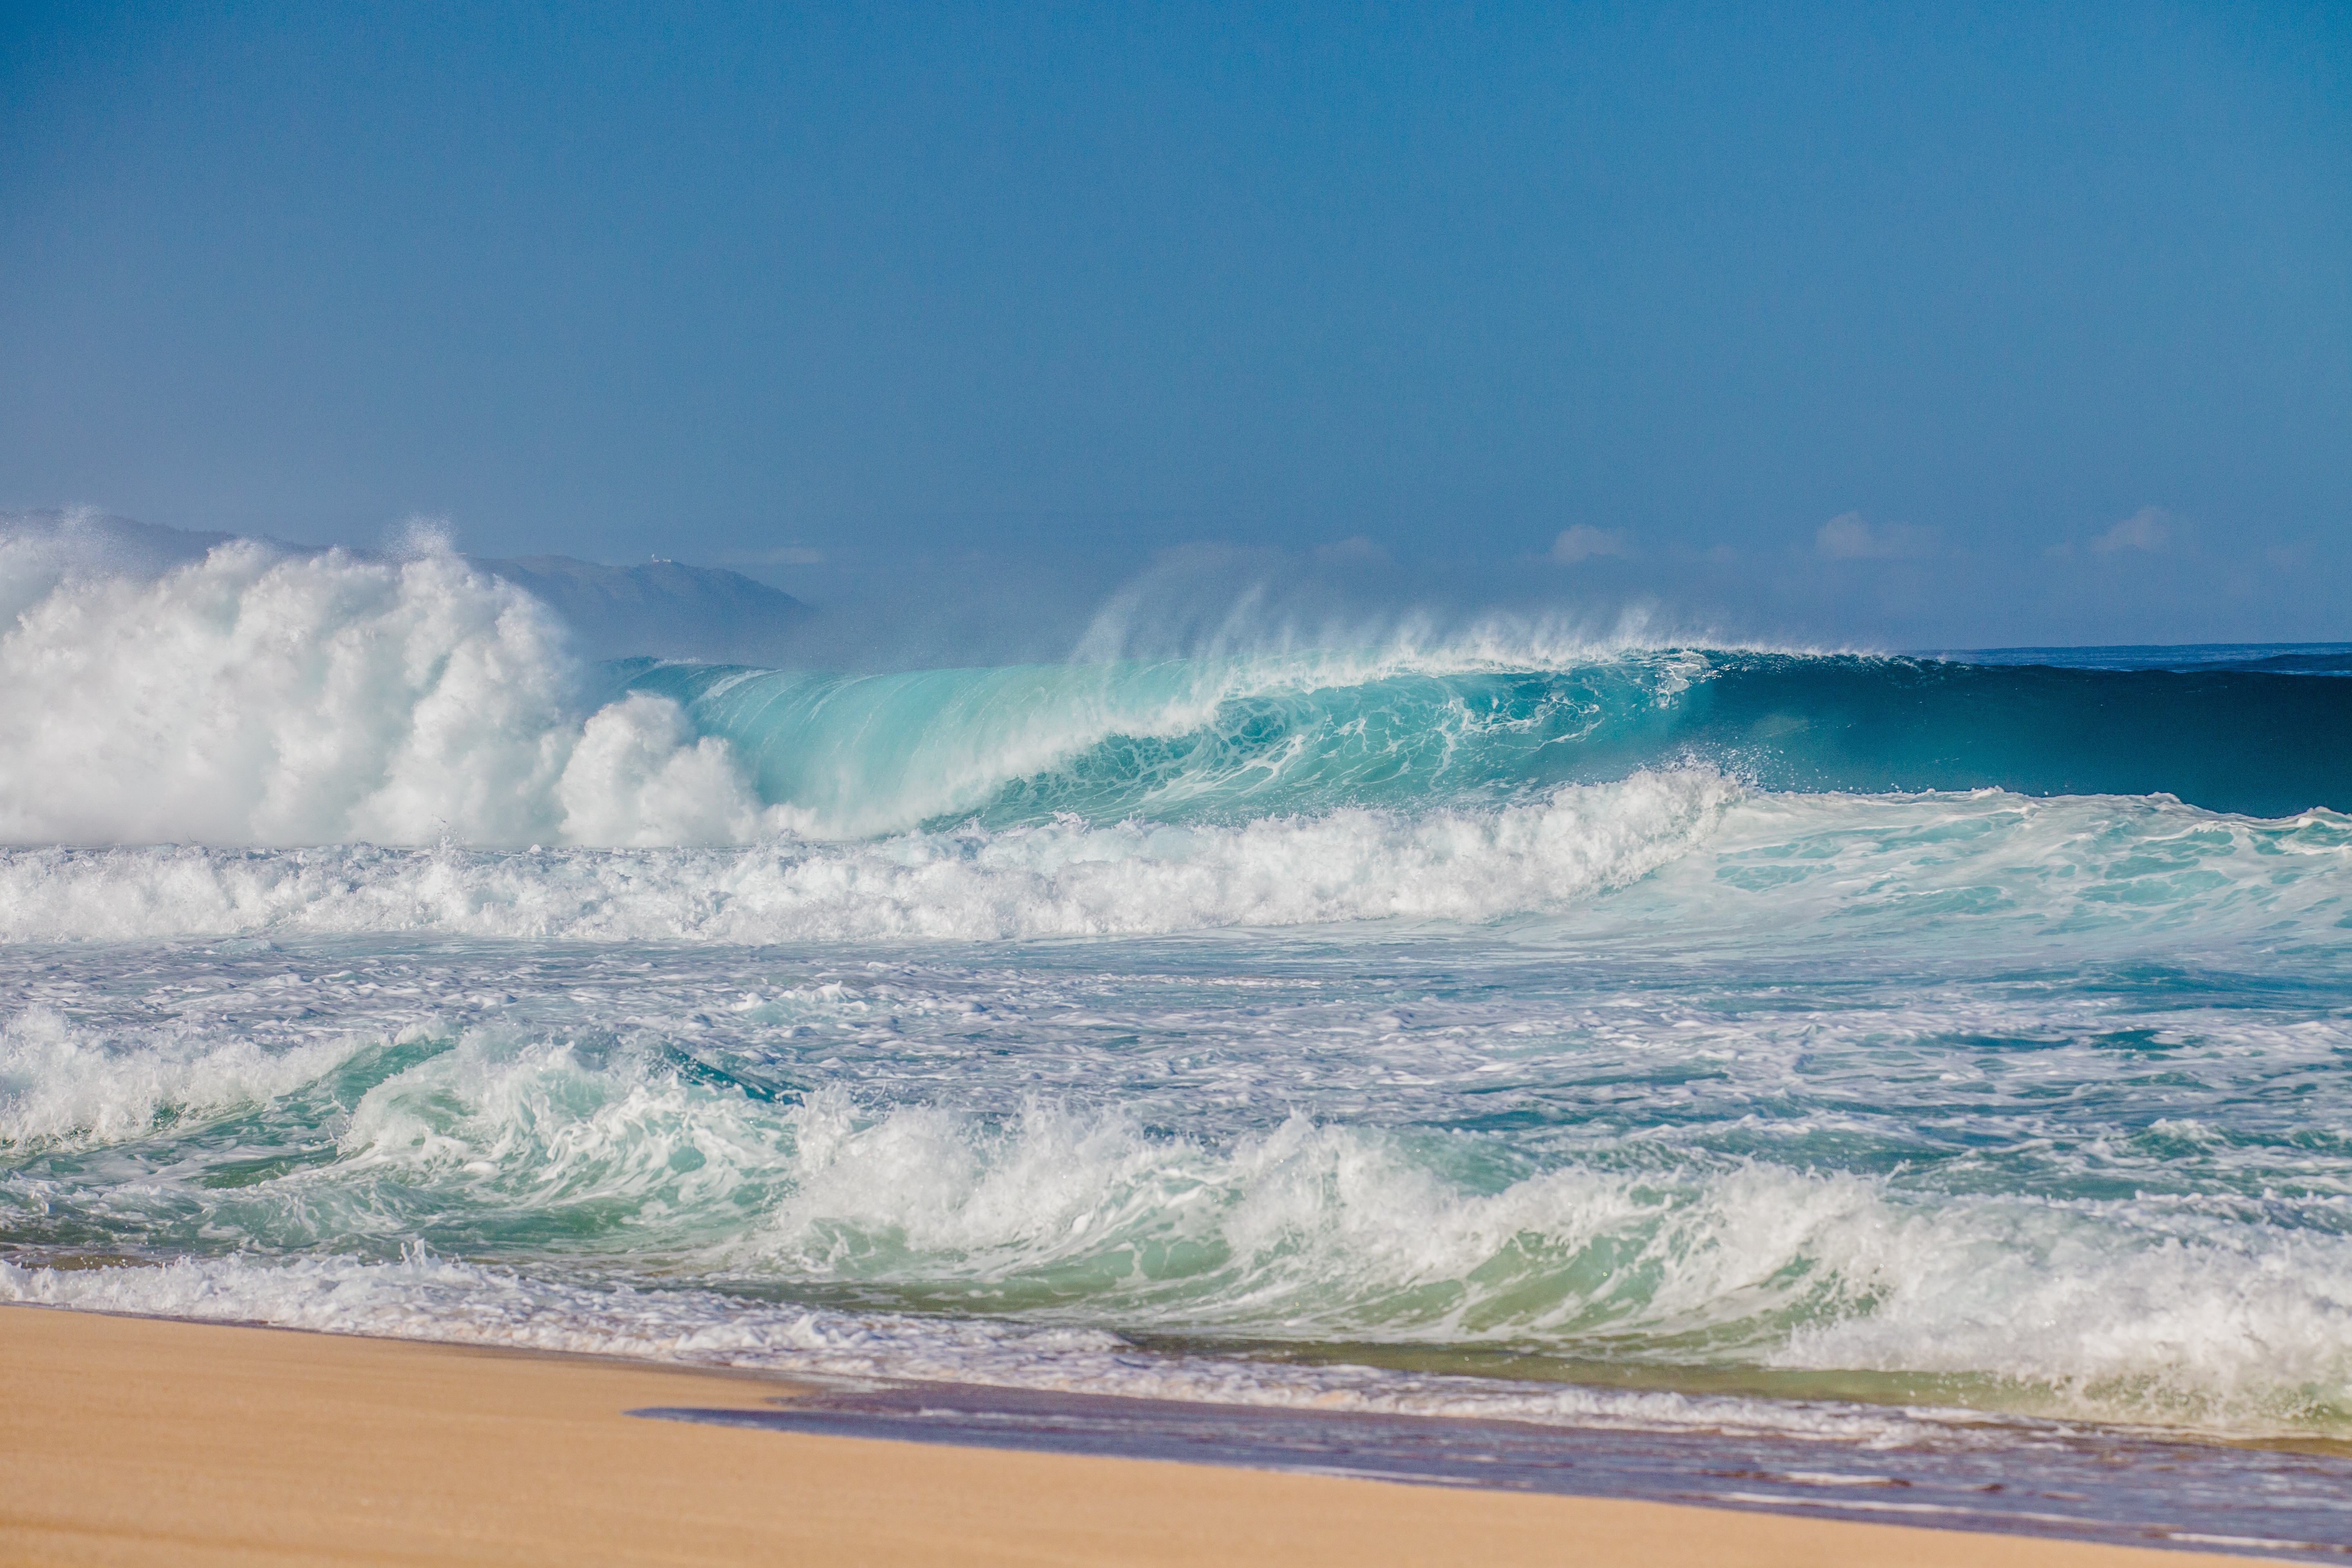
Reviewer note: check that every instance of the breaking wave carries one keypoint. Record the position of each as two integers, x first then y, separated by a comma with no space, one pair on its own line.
260,697
1057,1219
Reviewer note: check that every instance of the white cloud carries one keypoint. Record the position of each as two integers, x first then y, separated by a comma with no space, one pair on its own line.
2150,528
1846,537
1576,543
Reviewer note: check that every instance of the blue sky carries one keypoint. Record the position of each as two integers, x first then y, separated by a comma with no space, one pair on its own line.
1925,326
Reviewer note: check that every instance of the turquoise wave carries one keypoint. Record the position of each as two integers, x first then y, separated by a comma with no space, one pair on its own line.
1225,740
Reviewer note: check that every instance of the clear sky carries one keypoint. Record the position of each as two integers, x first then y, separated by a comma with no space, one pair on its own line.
1921,325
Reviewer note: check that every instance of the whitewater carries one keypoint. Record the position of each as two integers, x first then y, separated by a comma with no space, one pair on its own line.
1480,1021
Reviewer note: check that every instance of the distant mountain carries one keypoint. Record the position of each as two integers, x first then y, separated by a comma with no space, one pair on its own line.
664,608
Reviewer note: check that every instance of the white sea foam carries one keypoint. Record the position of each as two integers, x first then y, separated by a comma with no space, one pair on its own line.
1689,847
1062,879
60,1081
256,697
2119,1308
2081,870
520,1126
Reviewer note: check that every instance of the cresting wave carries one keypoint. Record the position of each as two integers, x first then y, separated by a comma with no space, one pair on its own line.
260,698
1479,720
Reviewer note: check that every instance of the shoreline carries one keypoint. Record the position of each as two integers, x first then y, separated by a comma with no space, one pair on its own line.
139,1440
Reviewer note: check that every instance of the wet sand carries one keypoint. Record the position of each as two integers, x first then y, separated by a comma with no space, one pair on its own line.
127,1440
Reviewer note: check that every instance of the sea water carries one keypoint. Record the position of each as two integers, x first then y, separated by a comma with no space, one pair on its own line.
1486,1023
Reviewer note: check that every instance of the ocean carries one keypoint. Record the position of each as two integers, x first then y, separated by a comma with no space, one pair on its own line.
1914,1059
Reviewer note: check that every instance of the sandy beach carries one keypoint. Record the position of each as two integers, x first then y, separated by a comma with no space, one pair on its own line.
129,1441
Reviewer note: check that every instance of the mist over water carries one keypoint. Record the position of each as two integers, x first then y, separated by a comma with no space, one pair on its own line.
1468,1014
